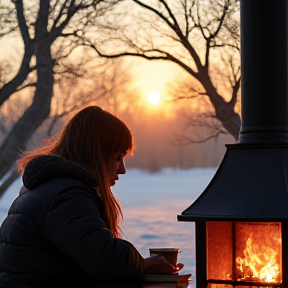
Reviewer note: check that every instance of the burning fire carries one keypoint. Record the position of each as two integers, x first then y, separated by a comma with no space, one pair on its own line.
258,264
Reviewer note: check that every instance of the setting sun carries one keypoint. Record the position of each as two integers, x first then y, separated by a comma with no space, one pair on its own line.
154,98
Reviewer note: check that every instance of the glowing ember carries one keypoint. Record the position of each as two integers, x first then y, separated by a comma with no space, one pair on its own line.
259,263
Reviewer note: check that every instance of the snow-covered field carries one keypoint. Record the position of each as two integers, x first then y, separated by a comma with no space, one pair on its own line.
151,203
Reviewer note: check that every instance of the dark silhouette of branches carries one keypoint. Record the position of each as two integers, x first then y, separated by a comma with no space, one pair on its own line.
185,140
202,37
49,32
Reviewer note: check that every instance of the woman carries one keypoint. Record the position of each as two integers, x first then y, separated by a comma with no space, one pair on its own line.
63,229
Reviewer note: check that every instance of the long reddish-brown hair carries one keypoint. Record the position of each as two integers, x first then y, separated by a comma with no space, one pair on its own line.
89,139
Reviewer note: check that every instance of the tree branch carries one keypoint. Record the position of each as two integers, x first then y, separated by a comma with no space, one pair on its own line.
22,24
185,140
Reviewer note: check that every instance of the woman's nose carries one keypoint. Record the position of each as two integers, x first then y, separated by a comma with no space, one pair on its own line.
121,168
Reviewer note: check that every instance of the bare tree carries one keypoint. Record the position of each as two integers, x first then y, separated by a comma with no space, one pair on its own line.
50,32
77,85
196,111
96,83
201,36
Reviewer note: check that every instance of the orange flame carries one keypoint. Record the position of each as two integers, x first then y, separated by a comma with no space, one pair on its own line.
258,264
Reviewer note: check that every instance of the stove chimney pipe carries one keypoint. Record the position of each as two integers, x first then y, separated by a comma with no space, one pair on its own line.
264,72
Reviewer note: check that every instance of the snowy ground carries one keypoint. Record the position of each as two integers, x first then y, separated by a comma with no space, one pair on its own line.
151,203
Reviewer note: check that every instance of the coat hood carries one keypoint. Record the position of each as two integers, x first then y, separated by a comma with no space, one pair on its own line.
48,167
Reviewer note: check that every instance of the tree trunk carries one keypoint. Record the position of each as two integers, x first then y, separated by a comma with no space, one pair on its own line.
34,116
229,118
11,87
224,111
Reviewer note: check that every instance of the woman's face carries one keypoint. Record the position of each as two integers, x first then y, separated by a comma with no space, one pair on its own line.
115,167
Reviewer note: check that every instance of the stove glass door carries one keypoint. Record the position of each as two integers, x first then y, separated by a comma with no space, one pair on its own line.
240,253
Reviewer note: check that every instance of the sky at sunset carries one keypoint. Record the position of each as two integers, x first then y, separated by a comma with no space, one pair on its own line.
153,126
154,76
147,76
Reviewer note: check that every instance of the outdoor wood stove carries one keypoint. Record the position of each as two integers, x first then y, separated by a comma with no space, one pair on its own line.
241,218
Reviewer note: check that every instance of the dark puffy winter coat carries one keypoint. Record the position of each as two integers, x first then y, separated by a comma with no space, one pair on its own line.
54,234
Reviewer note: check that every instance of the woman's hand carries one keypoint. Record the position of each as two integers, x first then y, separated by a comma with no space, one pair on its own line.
158,265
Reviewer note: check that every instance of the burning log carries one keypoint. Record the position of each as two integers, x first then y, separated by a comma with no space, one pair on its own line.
258,264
